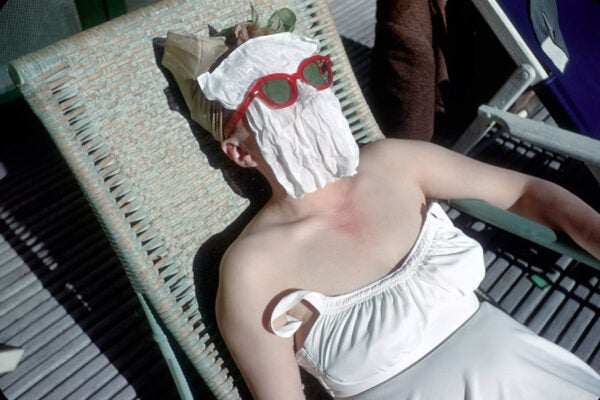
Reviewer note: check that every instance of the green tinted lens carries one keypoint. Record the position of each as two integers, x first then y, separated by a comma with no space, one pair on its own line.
278,90
316,74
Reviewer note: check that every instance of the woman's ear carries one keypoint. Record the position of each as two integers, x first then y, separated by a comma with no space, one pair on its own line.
238,152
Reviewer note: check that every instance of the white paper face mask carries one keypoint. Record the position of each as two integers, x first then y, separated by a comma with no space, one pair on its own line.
307,144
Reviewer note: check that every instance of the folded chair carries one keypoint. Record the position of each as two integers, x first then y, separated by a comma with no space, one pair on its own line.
563,38
167,198
556,49
536,35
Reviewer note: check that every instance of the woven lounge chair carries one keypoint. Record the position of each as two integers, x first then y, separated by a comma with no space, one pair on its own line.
168,200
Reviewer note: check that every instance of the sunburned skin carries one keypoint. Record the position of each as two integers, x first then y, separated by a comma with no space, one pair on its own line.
358,256
350,234
343,223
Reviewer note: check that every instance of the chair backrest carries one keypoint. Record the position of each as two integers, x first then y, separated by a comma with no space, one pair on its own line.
168,199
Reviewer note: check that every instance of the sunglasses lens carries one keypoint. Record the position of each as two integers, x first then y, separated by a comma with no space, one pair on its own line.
277,90
316,73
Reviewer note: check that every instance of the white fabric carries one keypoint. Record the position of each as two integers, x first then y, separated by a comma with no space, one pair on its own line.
556,54
264,55
365,337
307,144
418,334
492,357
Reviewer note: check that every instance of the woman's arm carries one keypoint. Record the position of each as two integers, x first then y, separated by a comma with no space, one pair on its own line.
557,208
444,174
267,362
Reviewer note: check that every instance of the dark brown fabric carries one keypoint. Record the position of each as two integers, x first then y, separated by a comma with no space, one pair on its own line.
408,67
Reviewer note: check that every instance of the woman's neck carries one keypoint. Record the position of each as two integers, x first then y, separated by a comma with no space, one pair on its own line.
330,200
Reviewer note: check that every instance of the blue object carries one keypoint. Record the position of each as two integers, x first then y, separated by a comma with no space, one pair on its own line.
572,96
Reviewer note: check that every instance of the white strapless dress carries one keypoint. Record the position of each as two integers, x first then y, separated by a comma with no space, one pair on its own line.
420,333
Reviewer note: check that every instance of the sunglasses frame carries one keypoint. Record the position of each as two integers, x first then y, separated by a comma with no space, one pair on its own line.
256,90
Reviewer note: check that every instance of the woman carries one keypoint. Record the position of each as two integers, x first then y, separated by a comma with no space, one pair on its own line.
350,269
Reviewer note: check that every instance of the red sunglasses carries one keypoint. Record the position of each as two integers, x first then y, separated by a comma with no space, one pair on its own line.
281,90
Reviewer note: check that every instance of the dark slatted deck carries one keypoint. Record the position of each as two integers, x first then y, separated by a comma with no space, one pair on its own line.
63,295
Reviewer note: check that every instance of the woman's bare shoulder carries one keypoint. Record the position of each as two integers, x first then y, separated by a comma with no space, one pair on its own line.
248,252
385,151
246,285
254,260
395,158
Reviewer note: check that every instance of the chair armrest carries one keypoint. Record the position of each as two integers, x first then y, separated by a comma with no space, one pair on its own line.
525,228
549,137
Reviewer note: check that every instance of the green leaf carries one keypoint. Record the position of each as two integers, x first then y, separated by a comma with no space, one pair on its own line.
283,20
254,14
212,32
257,20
